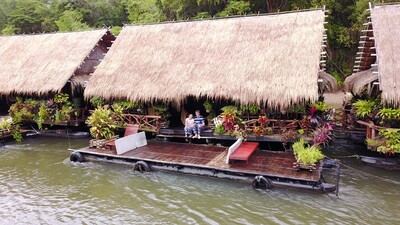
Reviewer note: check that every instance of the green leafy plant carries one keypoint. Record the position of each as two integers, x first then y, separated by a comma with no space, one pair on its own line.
61,98
306,154
5,125
126,105
161,110
208,106
364,108
97,101
375,143
102,124
219,129
392,141
252,109
297,109
17,134
230,109
23,111
320,106
42,116
389,114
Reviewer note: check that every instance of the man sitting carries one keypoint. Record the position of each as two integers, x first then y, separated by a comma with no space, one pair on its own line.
199,124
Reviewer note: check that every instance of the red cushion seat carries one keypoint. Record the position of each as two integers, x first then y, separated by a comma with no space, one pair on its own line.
244,151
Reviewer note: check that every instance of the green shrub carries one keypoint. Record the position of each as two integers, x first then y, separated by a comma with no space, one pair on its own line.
305,154
102,123
320,106
364,107
219,129
5,125
61,98
389,114
230,109
42,116
96,102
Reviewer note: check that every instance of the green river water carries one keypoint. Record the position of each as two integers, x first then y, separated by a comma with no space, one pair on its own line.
39,185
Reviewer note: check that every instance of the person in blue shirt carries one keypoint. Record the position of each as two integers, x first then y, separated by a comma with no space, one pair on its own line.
199,124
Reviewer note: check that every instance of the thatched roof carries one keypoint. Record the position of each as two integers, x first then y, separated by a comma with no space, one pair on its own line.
358,82
386,28
328,82
272,59
39,64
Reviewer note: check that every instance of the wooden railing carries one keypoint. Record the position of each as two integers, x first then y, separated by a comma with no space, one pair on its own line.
149,123
81,116
372,131
275,124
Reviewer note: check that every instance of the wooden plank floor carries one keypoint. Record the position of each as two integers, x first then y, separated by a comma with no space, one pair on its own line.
277,164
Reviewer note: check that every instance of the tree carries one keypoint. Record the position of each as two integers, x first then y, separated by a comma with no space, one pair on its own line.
71,20
143,11
236,8
26,17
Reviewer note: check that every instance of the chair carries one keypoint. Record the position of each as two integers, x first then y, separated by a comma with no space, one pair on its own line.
129,129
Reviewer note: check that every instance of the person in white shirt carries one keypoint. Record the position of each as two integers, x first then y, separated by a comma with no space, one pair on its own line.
189,125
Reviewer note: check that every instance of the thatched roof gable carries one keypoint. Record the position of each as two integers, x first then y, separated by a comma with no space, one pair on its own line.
271,59
360,81
39,64
327,82
386,29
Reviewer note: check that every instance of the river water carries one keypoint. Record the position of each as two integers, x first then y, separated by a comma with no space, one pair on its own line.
39,185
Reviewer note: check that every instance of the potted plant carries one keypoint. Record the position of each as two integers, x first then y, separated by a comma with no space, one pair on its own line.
306,156
102,126
208,106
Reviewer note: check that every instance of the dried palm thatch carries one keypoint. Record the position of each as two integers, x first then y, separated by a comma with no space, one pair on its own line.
79,82
328,83
269,59
39,64
386,27
359,82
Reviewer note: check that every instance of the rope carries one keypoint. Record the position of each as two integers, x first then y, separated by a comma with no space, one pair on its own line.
347,156
69,140
367,174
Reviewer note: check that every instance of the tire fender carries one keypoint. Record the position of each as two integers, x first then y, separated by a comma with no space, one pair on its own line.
261,182
142,166
76,157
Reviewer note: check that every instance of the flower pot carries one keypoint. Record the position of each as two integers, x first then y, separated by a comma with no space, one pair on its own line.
301,166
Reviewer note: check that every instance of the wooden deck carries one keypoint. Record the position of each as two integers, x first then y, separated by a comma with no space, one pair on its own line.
266,163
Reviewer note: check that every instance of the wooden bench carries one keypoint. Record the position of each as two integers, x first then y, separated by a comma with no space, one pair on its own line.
244,151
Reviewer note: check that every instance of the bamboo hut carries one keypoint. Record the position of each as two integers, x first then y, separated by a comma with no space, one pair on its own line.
46,63
267,59
377,62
